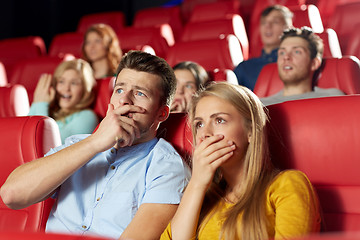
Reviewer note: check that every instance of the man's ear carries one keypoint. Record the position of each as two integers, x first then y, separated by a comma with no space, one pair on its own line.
315,63
164,113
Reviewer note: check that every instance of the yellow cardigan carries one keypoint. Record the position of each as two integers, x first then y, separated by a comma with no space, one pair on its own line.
292,208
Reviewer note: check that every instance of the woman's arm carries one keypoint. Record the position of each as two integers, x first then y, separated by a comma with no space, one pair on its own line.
296,205
208,156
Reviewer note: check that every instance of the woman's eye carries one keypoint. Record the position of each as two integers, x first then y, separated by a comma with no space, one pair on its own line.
198,125
219,120
189,86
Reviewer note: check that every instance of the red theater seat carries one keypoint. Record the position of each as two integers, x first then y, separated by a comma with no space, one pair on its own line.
158,37
327,8
22,140
331,43
155,16
342,73
177,131
66,43
225,75
320,137
13,50
213,29
3,77
214,11
115,19
14,101
45,236
219,53
344,21
104,89
28,72
353,47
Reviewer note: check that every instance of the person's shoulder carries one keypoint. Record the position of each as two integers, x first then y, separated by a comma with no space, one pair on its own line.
68,142
329,91
86,112
165,147
290,179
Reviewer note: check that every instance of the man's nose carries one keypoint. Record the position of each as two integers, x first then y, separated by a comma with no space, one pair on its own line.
126,98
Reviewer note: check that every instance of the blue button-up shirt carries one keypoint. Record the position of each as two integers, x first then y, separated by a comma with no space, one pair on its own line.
103,196
248,71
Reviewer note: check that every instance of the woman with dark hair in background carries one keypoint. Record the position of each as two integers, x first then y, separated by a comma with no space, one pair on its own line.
190,77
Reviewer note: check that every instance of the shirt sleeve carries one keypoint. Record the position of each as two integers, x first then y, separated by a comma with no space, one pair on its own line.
295,204
39,109
166,179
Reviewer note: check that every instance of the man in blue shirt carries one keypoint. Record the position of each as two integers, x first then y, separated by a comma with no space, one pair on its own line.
274,20
120,181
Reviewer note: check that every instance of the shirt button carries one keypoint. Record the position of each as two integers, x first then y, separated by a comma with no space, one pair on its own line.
98,199
83,226
112,167
112,150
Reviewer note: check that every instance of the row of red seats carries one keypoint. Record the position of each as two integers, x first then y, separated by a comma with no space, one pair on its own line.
315,136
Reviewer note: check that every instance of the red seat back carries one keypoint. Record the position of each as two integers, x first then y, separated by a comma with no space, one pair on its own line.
321,138
342,73
14,101
224,75
13,50
331,43
158,37
214,10
3,77
155,16
46,236
217,28
28,72
104,89
343,21
219,53
353,47
177,131
115,19
22,140
66,43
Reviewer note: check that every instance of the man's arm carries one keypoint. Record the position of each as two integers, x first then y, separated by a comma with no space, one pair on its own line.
149,222
34,181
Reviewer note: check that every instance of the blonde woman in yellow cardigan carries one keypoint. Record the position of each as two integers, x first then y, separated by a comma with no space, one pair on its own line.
235,192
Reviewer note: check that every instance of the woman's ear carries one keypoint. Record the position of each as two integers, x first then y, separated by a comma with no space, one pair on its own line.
249,136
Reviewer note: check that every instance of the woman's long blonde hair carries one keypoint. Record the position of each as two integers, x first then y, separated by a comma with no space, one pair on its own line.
88,81
257,169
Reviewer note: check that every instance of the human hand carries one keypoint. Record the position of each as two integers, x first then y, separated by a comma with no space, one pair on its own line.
178,105
208,156
44,92
118,127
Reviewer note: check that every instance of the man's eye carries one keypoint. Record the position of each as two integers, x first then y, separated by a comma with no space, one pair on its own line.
140,94
119,90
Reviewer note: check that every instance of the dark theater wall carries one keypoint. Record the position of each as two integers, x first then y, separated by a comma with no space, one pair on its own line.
46,18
